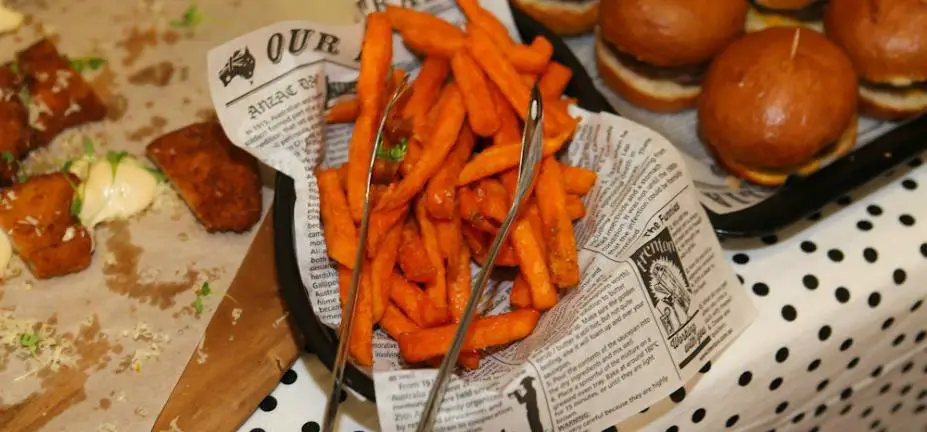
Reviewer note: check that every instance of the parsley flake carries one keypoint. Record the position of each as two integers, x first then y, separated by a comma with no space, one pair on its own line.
158,174
191,18
198,305
29,341
8,157
22,177
114,158
67,166
14,66
88,146
204,291
395,153
76,205
81,64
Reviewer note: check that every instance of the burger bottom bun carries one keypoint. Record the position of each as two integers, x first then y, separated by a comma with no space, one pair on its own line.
562,17
654,95
891,106
772,178
757,21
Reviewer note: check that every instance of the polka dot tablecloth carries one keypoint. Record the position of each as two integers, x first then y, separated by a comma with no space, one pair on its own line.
838,344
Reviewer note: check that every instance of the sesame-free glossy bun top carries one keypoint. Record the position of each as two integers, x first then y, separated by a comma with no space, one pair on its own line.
885,39
776,98
671,33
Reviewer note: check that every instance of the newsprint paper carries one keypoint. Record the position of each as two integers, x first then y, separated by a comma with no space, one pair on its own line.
656,301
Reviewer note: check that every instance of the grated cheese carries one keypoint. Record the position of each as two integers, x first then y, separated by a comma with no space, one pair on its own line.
236,314
68,234
281,319
50,351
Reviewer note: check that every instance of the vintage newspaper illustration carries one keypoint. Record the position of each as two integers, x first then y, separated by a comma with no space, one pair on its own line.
718,192
656,300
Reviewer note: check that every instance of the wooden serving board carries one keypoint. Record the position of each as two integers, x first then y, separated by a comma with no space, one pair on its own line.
246,357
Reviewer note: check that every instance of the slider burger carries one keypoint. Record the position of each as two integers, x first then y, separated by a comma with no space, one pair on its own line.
887,43
766,117
563,17
654,53
785,13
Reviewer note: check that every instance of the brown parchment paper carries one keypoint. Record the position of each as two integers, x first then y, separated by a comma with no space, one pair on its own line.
136,299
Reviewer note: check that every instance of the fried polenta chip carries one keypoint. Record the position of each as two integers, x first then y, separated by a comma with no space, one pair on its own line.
218,181
14,129
59,98
37,216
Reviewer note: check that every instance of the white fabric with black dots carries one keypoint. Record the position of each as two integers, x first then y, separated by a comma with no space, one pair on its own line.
838,345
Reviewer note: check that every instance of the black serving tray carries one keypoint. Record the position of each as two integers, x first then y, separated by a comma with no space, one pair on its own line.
799,198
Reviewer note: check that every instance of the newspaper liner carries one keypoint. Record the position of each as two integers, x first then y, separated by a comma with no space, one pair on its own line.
656,300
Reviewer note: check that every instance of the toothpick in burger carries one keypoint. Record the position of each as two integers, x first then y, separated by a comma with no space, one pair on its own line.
887,42
563,17
654,53
785,13
785,112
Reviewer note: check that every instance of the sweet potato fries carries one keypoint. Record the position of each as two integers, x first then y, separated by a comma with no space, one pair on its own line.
443,183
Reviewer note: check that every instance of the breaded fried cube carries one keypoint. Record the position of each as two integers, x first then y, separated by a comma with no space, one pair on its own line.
59,96
14,124
37,217
218,181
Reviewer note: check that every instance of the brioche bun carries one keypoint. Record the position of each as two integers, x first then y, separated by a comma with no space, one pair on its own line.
564,18
671,33
777,102
887,43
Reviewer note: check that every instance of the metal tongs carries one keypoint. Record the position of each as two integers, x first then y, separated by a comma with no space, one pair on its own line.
528,164
347,315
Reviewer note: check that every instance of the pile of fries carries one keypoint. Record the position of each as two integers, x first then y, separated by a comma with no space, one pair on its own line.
443,182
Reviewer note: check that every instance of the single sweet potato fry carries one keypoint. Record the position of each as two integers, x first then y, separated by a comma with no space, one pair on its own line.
344,111
415,303
343,177
425,33
448,238
492,198
426,88
577,180
441,192
382,266
412,258
481,112
558,227
520,297
360,345
482,18
379,224
575,207
471,213
485,332
537,226
499,158
437,287
339,230
458,283
533,265
413,154
344,283
450,119
532,58
377,52
395,323
554,81
476,240
509,128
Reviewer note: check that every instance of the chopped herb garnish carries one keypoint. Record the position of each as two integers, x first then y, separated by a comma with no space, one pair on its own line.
8,157
67,165
191,18
88,146
204,291
81,64
14,66
114,158
395,153
158,174
29,341
76,204
22,177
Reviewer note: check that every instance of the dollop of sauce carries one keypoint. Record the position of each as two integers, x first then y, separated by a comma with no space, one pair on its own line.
9,19
113,188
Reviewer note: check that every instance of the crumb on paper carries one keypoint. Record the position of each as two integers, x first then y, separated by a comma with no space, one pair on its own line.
173,426
281,319
36,342
107,427
236,314
201,355
141,412
733,182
